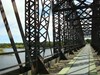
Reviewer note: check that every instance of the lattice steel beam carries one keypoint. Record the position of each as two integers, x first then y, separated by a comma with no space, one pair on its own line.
44,24
37,30
32,31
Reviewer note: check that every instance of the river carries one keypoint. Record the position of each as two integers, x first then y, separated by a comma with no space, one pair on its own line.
10,60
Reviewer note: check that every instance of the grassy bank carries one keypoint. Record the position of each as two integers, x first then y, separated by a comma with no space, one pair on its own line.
1,50
20,45
7,45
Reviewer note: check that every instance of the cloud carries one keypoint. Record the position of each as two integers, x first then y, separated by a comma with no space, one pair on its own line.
12,20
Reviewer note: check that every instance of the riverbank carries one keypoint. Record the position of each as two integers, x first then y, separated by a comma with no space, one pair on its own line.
21,45
1,50
8,45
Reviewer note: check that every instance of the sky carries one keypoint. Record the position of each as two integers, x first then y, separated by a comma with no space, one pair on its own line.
12,21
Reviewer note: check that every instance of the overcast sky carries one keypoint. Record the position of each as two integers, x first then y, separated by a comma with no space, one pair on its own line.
12,21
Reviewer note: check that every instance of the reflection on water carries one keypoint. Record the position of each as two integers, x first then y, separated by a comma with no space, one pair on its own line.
10,60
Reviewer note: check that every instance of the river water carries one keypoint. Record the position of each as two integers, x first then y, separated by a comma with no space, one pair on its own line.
10,60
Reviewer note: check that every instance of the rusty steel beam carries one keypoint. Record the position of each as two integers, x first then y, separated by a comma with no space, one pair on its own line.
96,27
21,32
31,32
70,22
37,30
44,24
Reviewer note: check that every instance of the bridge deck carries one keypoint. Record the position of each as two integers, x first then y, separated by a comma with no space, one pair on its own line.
82,64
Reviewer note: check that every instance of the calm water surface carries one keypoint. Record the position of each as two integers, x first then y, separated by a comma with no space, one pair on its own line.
10,60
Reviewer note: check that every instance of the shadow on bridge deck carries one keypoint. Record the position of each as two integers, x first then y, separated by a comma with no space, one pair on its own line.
82,64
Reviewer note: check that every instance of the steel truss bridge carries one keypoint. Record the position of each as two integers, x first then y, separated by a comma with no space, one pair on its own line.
71,22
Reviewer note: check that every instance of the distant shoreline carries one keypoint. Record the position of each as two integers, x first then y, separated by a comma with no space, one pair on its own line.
7,45
21,45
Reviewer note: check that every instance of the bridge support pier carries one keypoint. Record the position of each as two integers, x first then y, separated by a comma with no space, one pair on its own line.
71,52
40,67
62,56
75,50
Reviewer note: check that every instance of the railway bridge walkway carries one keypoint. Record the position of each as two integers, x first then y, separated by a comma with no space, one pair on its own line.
41,36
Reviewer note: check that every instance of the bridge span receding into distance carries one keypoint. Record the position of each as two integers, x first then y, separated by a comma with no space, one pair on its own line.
54,37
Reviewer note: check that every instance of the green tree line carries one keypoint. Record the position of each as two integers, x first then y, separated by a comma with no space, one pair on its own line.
20,45
8,45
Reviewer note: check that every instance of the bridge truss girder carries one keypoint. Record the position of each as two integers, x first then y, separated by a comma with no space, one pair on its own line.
70,22
96,26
